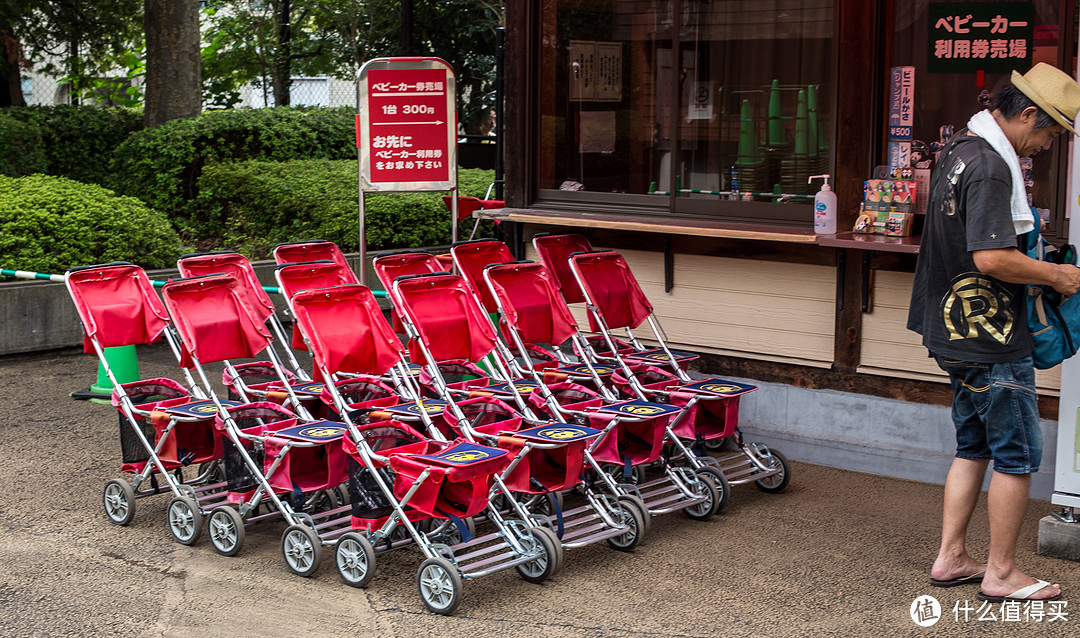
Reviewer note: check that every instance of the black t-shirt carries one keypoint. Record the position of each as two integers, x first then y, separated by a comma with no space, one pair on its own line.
960,312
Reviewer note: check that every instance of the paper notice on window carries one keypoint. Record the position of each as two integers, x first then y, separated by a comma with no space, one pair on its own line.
700,101
608,71
582,70
596,132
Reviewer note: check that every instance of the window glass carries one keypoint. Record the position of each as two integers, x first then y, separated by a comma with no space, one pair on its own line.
960,64
673,99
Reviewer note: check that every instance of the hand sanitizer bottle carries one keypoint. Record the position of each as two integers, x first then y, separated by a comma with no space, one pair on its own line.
824,207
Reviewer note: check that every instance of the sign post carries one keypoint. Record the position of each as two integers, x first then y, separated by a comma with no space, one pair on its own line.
1067,463
406,132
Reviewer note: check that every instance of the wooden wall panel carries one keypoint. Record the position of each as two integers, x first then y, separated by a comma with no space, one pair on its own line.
768,310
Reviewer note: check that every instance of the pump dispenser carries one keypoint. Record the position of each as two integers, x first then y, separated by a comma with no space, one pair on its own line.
824,207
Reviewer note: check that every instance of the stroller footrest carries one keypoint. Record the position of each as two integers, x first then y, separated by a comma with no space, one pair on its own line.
209,500
333,517
662,496
497,563
596,534
738,469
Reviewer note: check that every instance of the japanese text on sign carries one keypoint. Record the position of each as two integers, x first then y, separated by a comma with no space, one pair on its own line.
901,102
995,37
409,126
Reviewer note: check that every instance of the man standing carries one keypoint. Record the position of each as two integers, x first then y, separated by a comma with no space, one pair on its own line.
968,303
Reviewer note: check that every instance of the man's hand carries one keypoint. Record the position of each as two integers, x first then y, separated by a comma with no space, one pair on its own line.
1069,279
1013,266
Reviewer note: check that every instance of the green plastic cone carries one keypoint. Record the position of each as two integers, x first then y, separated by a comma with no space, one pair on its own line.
124,365
777,137
748,149
800,124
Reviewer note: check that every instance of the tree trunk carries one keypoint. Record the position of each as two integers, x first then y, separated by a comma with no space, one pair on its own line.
173,65
10,79
282,62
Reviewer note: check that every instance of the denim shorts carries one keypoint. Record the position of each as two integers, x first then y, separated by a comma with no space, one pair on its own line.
996,413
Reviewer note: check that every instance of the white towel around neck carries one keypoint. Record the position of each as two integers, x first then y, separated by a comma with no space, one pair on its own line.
985,126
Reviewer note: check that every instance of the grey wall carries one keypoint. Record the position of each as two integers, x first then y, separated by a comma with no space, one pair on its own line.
867,434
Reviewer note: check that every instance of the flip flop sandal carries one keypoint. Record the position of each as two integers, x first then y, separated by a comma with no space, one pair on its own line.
1022,594
961,580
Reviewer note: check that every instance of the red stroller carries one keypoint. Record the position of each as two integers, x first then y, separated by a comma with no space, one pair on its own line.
615,300
449,325
347,335
241,386
164,428
215,321
532,312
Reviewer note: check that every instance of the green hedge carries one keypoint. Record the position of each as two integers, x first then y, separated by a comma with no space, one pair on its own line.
48,224
20,147
162,165
77,141
251,206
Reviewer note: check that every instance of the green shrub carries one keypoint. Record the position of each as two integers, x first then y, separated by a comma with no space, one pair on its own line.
162,165
251,206
20,147
48,224
78,141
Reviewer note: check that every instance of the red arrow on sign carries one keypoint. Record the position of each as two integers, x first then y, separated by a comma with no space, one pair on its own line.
980,79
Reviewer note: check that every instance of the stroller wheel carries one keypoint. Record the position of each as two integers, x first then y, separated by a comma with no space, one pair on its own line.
776,482
636,501
355,559
722,486
439,584
302,550
119,500
618,472
210,473
704,486
321,501
634,519
547,563
449,533
226,530
185,520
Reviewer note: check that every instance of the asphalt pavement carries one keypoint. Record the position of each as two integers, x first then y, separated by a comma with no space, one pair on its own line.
836,554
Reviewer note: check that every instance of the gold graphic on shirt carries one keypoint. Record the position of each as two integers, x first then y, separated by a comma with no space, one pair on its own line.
975,302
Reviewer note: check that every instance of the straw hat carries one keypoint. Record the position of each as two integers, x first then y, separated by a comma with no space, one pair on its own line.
1053,91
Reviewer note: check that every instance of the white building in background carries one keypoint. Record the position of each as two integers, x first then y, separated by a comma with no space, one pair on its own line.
305,91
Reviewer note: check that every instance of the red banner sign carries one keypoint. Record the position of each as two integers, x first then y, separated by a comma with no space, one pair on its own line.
409,129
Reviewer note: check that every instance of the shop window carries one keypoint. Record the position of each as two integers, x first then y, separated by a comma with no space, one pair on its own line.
713,108
963,53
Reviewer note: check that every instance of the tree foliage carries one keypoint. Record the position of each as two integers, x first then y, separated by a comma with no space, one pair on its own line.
83,41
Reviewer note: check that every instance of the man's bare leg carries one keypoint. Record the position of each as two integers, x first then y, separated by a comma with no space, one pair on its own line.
1008,501
962,487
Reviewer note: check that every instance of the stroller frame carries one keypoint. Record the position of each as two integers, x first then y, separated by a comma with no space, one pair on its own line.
687,497
532,550
697,491
307,533
753,462
119,495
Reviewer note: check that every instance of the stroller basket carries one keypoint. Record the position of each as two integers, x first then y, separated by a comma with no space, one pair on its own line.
250,419
145,395
459,481
369,504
